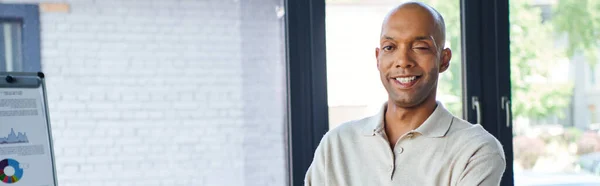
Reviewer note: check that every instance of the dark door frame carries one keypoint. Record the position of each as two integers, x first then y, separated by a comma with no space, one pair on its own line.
307,83
486,72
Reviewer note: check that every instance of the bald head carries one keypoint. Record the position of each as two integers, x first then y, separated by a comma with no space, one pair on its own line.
417,13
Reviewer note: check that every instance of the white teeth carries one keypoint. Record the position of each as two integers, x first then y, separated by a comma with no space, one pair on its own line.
406,79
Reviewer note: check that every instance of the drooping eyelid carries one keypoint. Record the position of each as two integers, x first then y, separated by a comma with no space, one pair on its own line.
427,42
422,45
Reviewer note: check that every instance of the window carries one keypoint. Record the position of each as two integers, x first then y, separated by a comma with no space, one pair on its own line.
19,38
11,55
592,75
556,137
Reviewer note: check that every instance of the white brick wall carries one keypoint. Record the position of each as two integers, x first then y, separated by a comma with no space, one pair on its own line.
166,92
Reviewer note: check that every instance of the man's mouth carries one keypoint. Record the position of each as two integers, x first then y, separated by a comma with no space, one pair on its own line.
406,81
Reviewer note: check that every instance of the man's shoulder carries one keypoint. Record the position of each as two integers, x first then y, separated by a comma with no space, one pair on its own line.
474,136
349,129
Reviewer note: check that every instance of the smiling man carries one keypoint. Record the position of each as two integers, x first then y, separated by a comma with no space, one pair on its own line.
413,140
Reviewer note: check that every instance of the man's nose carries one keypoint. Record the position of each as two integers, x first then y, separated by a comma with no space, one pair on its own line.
403,59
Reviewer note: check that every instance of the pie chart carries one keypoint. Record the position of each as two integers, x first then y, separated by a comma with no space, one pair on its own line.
12,176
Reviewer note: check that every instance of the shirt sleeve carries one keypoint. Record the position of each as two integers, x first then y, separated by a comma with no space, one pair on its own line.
484,170
317,171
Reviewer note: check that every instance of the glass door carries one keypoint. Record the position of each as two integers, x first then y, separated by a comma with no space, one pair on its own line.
554,47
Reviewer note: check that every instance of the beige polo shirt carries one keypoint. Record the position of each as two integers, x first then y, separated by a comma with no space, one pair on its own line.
444,150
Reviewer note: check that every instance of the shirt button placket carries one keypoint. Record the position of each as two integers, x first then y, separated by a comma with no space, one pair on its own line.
391,171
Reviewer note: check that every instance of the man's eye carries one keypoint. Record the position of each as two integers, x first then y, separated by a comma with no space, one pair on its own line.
422,48
388,48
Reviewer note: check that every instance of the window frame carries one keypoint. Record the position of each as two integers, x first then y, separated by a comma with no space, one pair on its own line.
486,71
307,83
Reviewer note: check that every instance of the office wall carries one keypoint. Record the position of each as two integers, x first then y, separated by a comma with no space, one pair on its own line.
166,92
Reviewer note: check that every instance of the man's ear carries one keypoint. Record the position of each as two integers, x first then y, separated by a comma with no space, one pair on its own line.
445,61
377,56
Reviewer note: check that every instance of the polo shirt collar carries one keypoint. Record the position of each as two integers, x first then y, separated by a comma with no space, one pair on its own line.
436,125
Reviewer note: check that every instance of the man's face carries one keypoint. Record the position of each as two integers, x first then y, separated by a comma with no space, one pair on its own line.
408,58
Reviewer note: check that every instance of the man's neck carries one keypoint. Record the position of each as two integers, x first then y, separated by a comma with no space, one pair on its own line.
399,120
408,117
